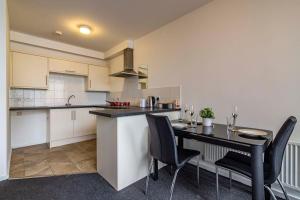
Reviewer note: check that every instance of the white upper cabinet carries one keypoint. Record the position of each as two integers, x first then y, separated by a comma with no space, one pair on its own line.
29,71
67,67
98,78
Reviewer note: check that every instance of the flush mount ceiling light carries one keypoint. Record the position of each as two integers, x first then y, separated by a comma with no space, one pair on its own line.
85,29
59,33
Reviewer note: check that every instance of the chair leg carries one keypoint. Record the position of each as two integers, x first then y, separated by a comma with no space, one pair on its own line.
230,179
283,189
198,173
217,182
173,183
148,176
271,192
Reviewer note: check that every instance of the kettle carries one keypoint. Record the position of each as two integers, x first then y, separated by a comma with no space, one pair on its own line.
151,101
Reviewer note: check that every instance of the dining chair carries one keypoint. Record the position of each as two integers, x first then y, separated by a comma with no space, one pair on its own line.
241,163
164,149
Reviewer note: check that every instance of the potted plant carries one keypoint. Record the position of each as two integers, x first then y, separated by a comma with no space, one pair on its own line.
207,115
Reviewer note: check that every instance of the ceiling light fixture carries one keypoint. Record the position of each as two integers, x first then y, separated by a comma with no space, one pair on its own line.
85,29
59,33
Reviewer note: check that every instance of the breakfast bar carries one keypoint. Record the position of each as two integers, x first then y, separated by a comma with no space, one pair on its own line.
122,143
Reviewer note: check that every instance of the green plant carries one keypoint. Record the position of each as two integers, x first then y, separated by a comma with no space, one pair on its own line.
207,113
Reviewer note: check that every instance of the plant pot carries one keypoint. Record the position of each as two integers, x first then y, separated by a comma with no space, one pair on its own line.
207,130
207,121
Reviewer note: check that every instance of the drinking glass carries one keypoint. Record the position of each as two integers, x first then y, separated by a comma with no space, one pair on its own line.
194,121
181,116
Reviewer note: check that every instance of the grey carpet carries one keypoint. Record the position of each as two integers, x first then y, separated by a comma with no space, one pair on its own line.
94,187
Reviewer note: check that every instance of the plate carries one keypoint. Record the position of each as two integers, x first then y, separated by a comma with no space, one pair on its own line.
179,125
253,132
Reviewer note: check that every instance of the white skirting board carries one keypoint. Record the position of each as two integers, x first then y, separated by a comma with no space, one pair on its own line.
71,140
2,178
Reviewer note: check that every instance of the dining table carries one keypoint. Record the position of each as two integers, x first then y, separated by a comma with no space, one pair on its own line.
218,134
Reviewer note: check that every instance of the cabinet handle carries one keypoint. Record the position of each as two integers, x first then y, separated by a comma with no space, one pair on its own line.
90,83
74,114
70,71
46,80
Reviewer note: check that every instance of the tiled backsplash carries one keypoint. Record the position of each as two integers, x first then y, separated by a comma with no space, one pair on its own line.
60,88
166,94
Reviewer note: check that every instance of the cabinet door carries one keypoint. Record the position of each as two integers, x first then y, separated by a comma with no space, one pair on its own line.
98,78
85,123
61,124
29,71
67,67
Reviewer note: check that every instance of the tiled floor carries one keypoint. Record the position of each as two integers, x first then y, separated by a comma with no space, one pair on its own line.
39,160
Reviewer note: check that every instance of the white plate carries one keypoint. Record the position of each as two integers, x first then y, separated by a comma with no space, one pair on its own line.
179,125
253,132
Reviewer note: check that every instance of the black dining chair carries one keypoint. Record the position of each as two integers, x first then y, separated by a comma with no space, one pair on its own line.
164,149
241,163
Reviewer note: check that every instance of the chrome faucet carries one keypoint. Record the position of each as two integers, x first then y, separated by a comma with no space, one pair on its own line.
68,103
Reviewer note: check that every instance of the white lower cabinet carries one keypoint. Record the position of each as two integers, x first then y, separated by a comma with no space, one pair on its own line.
71,125
85,123
61,124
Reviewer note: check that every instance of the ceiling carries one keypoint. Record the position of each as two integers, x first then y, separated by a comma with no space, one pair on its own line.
112,21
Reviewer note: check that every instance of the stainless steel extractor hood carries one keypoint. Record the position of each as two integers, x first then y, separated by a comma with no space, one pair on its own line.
128,66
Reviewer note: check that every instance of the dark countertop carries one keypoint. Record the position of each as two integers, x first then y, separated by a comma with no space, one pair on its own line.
130,111
62,107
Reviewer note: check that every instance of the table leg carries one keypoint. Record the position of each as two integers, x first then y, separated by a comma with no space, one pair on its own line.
180,142
155,174
257,170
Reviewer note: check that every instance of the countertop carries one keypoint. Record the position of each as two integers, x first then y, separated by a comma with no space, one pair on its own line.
130,111
63,107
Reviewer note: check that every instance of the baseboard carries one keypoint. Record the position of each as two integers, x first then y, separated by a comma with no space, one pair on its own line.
294,193
71,140
27,144
2,178
9,161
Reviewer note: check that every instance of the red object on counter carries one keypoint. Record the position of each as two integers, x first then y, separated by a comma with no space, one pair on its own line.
119,104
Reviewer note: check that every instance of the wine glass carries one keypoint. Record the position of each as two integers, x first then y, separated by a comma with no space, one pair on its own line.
234,115
191,112
186,109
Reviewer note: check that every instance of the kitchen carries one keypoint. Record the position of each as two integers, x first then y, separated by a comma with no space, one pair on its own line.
82,93
60,115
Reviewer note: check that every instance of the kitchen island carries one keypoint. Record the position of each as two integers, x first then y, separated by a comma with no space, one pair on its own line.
122,143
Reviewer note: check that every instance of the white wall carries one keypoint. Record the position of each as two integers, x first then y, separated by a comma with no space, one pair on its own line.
4,137
233,52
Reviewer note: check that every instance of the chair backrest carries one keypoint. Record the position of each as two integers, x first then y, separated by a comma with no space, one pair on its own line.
162,139
276,149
